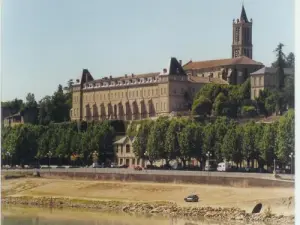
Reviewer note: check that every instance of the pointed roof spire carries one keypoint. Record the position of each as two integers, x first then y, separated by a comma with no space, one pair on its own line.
244,15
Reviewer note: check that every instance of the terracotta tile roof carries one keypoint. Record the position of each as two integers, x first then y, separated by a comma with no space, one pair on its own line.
243,60
206,80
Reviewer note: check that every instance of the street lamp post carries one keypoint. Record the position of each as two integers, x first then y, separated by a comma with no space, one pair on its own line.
8,156
95,160
49,158
274,171
291,156
208,154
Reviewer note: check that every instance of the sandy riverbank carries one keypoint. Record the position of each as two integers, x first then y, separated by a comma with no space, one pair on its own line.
144,197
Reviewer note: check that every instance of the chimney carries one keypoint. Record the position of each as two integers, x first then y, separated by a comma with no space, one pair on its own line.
125,75
110,77
180,62
132,75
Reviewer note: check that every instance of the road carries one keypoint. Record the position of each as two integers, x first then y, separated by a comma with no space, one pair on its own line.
155,172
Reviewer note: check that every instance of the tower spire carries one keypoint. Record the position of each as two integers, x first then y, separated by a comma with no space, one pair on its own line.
243,16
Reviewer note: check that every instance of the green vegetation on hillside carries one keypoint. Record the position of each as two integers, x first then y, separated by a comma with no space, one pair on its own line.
165,138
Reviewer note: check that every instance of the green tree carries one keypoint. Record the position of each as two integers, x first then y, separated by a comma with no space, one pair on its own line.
221,126
202,106
156,141
285,140
186,143
172,147
61,109
45,110
30,101
290,60
280,64
248,142
209,139
14,106
268,144
141,139
220,104
232,145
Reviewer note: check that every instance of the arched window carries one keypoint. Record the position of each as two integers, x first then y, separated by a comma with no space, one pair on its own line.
127,148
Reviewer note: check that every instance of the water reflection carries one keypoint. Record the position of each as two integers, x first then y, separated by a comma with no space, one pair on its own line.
33,216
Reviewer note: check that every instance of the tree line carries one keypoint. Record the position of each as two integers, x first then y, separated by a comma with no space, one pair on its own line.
54,108
224,139
65,143
165,138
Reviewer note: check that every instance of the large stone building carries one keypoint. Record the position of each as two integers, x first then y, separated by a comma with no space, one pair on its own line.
233,71
133,97
266,78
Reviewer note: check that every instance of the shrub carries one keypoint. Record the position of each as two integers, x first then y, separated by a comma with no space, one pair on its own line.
249,111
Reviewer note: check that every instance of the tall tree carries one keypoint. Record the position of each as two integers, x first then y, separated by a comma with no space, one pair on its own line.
156,142
45,110
30,101
290,60
231,146
280,64
248,142
172,147
267,143
141,139
60,108
285,140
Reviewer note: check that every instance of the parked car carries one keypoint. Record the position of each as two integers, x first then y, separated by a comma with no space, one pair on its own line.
123,166
96,165
191,198
114,165
210,168
223,167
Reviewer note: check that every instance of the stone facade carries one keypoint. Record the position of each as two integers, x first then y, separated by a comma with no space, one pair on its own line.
242,36
124,153
232,70
266,78
135,97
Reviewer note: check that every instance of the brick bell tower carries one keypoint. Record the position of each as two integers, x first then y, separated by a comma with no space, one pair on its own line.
242,36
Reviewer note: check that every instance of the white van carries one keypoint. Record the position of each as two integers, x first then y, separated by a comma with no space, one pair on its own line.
223,166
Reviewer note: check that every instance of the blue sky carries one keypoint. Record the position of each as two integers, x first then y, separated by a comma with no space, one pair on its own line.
48,42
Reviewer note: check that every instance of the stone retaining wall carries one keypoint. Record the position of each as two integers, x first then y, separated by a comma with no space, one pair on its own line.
214,180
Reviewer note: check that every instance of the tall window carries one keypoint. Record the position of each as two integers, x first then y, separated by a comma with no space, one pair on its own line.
127,148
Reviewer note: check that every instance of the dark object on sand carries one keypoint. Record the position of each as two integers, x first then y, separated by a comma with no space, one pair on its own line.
192,198
257,208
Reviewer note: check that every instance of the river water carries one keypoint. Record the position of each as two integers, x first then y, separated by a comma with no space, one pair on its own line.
46,216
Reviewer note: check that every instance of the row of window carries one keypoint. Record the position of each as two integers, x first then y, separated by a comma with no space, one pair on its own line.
129,94
75,111
257,81
125,82
127,148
